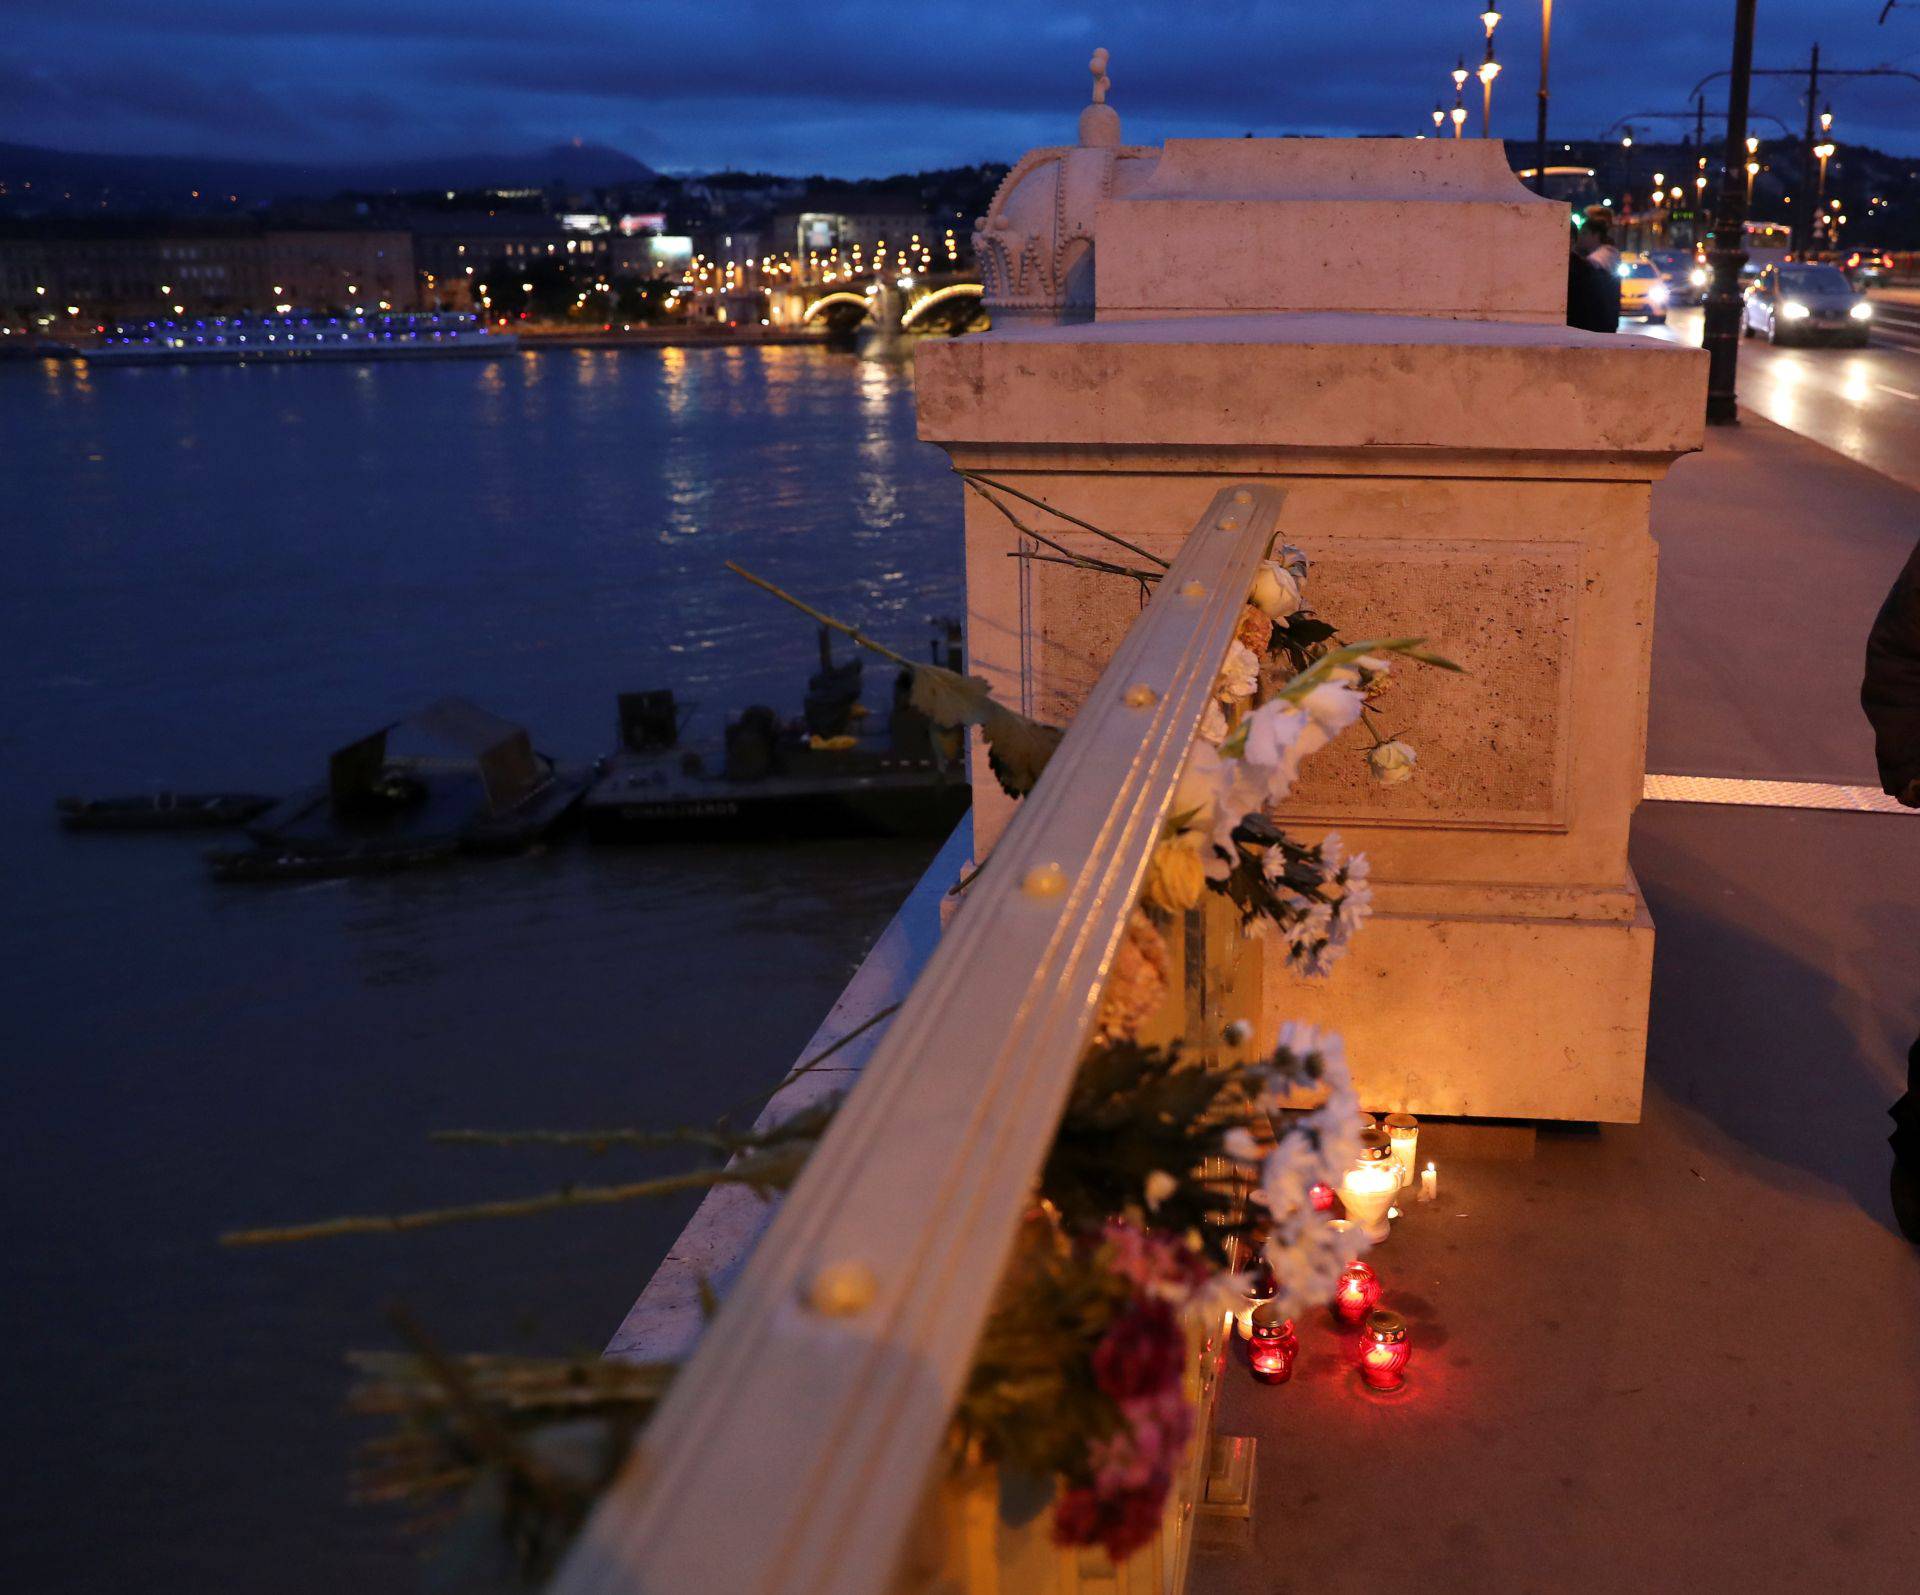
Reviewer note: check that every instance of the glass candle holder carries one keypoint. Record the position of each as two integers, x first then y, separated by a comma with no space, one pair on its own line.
1261,1287
1403,1145
1367,1189
1384,1350
1355,1292
1272,1346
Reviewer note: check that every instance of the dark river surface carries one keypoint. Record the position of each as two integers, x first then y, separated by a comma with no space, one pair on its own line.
214,576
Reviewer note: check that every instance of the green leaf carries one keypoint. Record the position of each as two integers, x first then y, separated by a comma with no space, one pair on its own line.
1018,748
1323,667
948,698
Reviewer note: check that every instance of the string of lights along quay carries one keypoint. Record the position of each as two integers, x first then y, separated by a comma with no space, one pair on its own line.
397,335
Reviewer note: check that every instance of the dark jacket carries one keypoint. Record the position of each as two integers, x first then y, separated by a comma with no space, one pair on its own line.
1891,692
1593,296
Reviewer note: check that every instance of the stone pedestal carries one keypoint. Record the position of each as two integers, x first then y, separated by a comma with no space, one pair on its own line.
1375,325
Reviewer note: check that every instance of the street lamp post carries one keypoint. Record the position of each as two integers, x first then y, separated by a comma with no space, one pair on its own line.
1489,70
1540,123
1460,76
1753,166
1727,252
1439,118
1824,151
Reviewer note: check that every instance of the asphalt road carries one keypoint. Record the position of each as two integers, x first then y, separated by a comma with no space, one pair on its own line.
1863,403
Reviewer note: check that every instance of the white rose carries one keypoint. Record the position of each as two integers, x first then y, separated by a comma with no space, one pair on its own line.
1276,592
1391,763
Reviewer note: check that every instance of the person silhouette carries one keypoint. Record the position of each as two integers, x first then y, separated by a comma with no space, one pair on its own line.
1890,694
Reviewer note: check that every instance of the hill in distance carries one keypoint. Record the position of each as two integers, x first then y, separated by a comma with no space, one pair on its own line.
36,179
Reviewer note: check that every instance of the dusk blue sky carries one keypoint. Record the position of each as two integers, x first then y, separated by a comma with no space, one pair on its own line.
862,89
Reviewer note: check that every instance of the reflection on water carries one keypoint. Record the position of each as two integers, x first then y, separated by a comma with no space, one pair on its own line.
342,544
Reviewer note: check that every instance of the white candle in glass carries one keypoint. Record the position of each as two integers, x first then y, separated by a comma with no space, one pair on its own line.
1429,1184
1367,1190
1403,1140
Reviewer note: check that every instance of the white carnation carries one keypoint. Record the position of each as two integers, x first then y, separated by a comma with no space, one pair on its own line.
1240,675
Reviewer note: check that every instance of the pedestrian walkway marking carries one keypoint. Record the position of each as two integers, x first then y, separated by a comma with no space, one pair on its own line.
1769,794
1897,392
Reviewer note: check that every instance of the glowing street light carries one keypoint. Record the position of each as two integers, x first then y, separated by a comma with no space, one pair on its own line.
1460,75
1489,70
1459,115
1439,117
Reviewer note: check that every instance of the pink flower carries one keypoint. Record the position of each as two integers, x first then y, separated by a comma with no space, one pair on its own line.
1134,1520
1076,1517
1122,1523
1160,1426
1141,1353
1153,1263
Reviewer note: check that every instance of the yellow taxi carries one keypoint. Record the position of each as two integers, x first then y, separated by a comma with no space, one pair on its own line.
1642,293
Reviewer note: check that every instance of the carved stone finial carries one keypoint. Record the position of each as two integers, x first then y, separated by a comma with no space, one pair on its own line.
1099,121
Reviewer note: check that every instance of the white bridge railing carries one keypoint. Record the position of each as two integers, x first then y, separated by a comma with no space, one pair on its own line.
795,1449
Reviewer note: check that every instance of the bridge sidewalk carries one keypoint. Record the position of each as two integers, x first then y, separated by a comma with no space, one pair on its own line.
1679,1354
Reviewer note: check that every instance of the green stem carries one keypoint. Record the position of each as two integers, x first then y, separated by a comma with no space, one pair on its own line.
859,637
814,1062
592,1138
760,1173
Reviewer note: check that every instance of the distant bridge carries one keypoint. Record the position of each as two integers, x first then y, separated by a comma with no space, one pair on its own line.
886,304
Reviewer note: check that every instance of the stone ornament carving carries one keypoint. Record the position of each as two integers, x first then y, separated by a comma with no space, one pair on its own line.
1035,245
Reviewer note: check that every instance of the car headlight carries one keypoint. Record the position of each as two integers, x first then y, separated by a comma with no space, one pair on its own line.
1657,294
1861,310
1623,271
1699,277
1793,310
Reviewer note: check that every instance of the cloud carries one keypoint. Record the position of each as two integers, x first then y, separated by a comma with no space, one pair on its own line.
848,86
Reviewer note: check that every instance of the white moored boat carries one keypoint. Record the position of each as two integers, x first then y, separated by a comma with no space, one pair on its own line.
295,336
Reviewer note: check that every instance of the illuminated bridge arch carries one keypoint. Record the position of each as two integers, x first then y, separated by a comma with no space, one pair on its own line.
956,290
828,301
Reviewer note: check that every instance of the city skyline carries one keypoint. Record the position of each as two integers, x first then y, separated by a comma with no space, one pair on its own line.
687,87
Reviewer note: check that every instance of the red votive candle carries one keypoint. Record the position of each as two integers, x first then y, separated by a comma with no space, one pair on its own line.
1384,1350
1272,1346
1355,1292
1322,1196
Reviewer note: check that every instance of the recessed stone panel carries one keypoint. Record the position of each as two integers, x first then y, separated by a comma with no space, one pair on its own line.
1493,741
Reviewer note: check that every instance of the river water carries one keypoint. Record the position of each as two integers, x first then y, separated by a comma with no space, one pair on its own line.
214,576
